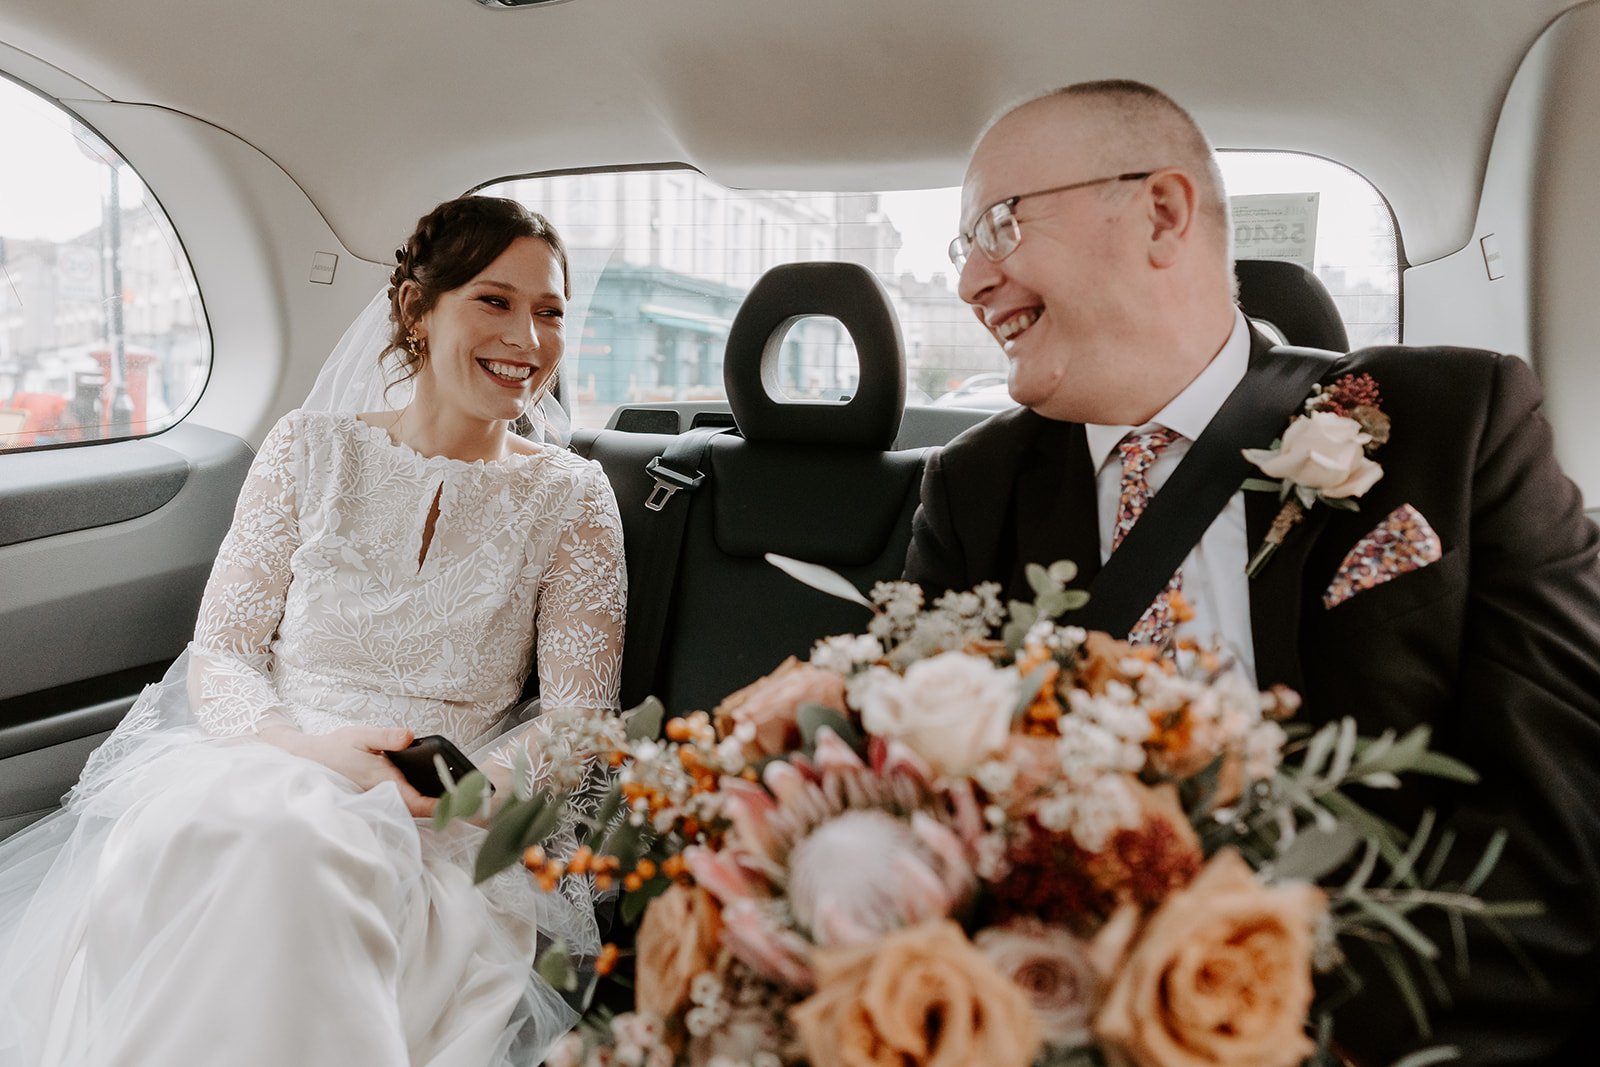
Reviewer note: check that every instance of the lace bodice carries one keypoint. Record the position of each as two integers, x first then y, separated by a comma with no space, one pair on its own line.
319,612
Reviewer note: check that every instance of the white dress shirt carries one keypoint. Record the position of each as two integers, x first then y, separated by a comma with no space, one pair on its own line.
1213,573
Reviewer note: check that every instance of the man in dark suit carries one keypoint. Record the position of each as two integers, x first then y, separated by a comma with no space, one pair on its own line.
1095,248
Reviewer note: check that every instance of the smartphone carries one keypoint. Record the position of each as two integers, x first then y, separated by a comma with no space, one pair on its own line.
416,764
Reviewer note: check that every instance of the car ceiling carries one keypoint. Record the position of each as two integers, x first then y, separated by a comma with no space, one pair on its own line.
380,108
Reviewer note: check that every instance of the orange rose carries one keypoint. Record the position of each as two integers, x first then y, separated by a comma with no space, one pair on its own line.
920,997
678,940
766,707
1221,974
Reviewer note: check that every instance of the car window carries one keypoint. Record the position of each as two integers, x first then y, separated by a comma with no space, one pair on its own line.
101,331
662,258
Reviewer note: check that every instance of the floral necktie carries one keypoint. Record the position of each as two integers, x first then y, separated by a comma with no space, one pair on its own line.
1139,453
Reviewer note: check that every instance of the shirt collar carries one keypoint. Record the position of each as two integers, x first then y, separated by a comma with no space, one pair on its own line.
1192,410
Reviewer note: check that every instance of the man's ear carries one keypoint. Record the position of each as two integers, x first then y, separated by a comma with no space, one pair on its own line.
1172,206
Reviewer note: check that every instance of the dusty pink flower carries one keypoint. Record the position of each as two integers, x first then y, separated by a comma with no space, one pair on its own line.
762,714
1057,972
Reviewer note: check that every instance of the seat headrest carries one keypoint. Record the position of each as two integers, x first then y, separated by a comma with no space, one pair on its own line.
845,291
1293,300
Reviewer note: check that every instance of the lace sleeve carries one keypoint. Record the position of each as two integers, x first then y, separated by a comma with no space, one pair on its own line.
582,604
229,688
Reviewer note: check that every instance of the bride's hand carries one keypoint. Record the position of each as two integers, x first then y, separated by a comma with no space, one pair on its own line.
357,753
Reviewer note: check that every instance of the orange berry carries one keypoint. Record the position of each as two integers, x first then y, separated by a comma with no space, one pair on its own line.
632,882
604,881
646,869
677,730
606,962
533,857
673,866
579,864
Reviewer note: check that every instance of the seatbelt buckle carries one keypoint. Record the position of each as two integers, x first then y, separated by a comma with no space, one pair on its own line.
668,482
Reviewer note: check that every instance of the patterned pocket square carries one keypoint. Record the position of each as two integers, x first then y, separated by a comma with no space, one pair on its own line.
1398,545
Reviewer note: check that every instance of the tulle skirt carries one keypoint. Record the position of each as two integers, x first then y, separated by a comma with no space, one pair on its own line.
205,901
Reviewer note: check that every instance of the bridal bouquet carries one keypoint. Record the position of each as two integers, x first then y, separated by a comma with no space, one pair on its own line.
971,835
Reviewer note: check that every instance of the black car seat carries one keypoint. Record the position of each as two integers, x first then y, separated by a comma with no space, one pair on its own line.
1293,301
811,480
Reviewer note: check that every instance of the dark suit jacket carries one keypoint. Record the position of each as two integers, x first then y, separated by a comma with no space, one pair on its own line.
1496,646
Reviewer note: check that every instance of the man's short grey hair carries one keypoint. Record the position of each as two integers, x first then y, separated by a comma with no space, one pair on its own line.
1147,129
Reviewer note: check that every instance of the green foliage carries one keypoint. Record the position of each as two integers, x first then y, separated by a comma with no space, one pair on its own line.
462,800
643,723
555,966
1029,688
811,718
516,826
634,903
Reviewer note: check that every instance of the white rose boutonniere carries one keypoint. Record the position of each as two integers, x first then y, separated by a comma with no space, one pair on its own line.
1322,456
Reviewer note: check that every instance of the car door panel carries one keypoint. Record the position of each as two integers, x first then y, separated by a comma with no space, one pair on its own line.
91,613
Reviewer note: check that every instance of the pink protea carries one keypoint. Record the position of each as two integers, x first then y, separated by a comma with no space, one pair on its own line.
758,941
862,874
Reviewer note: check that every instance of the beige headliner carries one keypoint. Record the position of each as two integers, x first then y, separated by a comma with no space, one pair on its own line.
379,108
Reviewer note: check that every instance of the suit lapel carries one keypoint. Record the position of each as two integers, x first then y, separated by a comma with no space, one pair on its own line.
1277,591
1055,512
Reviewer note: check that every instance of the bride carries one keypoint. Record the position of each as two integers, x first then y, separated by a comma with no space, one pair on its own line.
240,876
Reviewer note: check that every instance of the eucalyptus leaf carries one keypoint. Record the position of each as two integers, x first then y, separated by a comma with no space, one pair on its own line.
821,579
1054,603
1369,862
1063,570
643,723
633,904
1343,503
626,843
1486,862
812,717
467,798
1438,765
1427,1057
1391,919
1029,688
1389,838
508,835
1402,873
1314,853
1320,748
555,967
445,776
1075,599
1344,751
1260,485
1038,579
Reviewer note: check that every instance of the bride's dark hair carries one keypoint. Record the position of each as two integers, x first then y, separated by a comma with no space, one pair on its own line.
451,245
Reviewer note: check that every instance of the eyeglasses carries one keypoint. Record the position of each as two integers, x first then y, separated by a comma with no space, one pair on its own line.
997,232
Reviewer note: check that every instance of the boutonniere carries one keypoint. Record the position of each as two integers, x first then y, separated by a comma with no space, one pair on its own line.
1322,457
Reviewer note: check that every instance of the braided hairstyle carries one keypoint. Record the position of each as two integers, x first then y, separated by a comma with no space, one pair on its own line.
452,244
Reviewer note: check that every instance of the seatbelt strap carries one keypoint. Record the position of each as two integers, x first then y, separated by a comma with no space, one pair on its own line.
653,566
1254,414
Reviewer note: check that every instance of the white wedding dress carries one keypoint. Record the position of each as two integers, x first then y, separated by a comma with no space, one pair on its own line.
206,898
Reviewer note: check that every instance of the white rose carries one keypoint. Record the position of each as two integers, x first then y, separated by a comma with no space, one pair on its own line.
1322,451
953,710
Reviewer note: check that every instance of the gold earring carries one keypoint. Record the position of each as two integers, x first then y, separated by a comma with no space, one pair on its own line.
416,345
